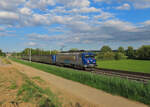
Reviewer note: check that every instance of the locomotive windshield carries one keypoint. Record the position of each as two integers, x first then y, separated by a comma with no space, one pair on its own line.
89,56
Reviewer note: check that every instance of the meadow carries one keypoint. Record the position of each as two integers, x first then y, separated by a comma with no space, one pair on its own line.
130,89
127,65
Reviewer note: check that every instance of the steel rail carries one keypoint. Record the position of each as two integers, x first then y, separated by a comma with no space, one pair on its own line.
142,77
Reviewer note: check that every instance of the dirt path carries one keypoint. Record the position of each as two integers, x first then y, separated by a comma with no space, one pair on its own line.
76,92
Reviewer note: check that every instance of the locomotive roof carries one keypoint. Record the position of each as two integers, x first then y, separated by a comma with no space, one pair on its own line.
77,53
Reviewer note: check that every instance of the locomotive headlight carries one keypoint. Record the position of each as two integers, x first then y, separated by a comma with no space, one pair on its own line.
88,61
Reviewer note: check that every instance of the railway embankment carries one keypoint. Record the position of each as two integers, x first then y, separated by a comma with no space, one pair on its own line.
18,90
133,90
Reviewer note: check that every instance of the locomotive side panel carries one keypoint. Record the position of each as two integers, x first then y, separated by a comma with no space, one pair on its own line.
69,59
42,59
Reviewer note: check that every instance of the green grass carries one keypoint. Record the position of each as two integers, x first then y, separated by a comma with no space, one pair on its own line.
5,60
38,79
127,65
30,92
114,85
13,85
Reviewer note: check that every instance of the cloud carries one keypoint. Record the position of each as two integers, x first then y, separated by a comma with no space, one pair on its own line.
125,6
41,4
8,18
113,30
146,23
74,3
141,4
138,4
104,15
71,21
26,11
8,15
85,10
10,5
31,44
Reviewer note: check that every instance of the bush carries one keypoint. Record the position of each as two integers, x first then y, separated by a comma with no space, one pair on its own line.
106,48
130,52
121,50
119,56
143,52
2,53
106,56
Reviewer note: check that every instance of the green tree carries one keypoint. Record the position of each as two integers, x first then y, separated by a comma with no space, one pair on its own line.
73,49
54,52
106,56
130,52
144,52
2,53
106,48
119,56
121,50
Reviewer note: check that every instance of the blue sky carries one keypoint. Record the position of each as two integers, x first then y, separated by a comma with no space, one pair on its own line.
82,24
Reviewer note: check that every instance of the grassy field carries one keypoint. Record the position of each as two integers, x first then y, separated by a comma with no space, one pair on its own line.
127,65
18,89
114,85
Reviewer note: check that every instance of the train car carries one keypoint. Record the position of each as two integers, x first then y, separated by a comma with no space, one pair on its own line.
82,60
47,59
76,60
25,57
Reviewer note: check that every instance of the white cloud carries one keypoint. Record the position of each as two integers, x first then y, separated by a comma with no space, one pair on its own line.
8,15
141,4
122,26
104,15
74,3
125,6
138,4
85,10
41,19
41,4
31,44
10,5
99,0
75,21
26,11
79,32
146,22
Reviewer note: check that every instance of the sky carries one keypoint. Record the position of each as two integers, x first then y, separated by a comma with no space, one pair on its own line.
82,24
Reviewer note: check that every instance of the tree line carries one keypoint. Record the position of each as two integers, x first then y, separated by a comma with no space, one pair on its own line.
39,52
141,53
106,53
2,53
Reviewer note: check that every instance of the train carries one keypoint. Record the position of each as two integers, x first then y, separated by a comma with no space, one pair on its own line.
76,60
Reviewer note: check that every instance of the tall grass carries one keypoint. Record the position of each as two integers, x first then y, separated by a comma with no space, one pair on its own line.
114,85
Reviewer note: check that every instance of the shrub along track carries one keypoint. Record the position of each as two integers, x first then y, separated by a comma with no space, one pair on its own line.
130,75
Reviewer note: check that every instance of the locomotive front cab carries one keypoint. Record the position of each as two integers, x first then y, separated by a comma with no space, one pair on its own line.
88,59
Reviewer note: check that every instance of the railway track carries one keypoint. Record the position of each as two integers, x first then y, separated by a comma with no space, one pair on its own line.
137,76
141,77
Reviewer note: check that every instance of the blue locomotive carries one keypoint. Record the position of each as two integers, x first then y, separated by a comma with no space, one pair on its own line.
85,60
76,60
